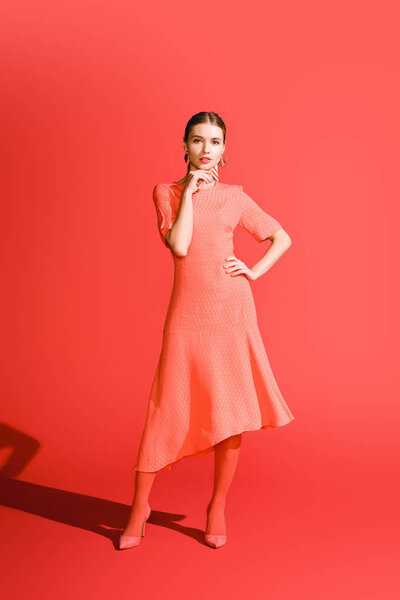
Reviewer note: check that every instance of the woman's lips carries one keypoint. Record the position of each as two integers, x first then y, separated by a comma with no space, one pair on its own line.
205,160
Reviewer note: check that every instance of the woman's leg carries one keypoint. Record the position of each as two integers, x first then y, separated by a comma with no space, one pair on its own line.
137,513
226,455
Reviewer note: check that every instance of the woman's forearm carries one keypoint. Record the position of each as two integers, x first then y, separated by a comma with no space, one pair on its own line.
280,244
179,236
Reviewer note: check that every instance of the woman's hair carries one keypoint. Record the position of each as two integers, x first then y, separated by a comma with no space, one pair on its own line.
204,117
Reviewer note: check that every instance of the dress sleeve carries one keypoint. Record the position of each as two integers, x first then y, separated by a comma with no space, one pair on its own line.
254,219
165,217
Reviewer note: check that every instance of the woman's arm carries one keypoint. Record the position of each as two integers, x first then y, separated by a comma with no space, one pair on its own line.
179,236
281,242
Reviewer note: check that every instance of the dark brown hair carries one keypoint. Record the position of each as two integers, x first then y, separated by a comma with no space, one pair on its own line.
204,117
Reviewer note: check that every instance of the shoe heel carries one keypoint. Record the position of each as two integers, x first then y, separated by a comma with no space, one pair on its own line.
130,541
147,516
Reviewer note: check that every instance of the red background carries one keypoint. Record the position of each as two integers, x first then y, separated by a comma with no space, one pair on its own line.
95,97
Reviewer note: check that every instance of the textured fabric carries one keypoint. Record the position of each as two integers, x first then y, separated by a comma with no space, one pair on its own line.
213,378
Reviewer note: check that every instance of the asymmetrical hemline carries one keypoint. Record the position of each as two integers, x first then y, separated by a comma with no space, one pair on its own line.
213,378
208,449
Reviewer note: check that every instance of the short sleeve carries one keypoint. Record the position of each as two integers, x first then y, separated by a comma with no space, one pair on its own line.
165,217
254,219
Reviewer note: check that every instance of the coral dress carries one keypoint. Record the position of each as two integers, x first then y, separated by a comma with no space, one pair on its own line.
213,378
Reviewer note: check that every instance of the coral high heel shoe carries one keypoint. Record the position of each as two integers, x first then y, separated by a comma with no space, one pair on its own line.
130,541
215,541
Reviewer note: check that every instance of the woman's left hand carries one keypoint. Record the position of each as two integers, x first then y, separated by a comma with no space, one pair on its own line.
234,267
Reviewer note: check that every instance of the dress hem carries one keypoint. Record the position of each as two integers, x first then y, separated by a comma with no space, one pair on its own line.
210,447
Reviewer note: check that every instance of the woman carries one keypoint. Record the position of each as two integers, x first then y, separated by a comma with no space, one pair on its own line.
213,379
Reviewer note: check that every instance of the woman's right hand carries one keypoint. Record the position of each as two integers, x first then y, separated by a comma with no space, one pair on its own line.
193,178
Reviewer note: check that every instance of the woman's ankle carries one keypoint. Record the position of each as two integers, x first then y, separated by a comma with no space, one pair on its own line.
216,503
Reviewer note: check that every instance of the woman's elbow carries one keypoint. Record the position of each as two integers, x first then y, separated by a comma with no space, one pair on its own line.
288,242
179,252
177,249
282,236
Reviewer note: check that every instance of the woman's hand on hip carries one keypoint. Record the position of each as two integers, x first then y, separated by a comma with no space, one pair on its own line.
234,267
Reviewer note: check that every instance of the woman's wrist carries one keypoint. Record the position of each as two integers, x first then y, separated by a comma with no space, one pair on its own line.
187,194
258,270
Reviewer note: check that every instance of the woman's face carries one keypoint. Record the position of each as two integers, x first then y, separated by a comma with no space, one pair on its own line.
205,141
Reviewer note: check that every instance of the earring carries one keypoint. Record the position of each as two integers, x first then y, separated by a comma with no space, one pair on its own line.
223,161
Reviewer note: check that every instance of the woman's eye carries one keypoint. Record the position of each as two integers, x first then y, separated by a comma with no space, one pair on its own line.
197,140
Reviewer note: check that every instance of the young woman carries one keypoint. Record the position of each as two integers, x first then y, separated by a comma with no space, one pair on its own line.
213,379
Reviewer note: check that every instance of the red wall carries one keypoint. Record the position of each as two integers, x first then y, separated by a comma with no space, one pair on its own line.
94,100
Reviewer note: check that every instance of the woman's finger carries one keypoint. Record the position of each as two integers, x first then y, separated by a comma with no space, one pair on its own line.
237,272
234,268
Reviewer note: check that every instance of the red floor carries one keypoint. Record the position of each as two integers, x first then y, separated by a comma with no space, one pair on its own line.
309,524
